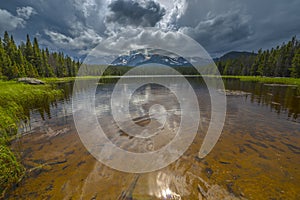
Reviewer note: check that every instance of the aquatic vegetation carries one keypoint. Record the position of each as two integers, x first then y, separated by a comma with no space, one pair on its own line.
10,169
16,100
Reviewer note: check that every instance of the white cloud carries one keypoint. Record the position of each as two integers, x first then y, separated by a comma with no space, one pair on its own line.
87,7
81,38
218,25
140,38
9,22
26,12
175,11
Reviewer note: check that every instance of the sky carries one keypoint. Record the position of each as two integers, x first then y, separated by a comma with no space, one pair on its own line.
220,26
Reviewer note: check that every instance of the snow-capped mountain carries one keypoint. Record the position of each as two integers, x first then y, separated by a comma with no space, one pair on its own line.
136,59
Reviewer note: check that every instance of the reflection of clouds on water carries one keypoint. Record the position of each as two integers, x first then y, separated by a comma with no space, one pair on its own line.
145,123
160,186
149,104
248,125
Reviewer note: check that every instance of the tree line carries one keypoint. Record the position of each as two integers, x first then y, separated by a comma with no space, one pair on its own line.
283,61
29,60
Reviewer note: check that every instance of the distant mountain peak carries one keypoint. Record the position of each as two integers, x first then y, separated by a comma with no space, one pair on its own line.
137,58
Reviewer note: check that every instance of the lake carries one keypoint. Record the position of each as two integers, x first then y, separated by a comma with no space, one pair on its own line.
256,157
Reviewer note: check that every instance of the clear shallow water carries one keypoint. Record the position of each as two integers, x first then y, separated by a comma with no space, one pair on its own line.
257,156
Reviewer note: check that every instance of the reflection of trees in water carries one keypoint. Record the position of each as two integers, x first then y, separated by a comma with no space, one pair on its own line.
44,106
281,99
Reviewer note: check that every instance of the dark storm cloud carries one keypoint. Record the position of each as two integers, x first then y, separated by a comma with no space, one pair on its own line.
131,12
76,26
222,31
67,25
240,25
273,22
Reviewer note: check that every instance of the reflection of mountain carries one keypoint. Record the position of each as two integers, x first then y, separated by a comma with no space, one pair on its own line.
136,59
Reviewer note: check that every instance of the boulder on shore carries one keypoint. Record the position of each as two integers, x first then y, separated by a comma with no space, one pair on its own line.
31,81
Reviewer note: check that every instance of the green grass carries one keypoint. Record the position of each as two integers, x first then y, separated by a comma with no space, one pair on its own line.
276,80
58,80
270,80
16,100
11,170
68,79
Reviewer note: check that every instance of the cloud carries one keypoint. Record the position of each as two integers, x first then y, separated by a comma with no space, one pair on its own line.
80,38
221,31
217,25
61,26
131,38
9,22
88,7
273,23
176,10
26,12
136,13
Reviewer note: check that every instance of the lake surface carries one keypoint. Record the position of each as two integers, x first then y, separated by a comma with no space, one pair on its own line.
256,157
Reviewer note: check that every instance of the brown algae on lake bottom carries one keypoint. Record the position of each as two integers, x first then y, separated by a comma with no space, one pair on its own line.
257,157
241,165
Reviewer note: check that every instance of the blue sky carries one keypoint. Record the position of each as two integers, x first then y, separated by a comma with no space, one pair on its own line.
76,26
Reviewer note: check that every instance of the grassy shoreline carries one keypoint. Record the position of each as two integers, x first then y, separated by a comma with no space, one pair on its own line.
16,100
267,80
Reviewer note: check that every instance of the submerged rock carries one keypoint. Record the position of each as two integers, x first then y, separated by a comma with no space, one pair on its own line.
234,92
275,103
280,85
224,162
209,172
31,81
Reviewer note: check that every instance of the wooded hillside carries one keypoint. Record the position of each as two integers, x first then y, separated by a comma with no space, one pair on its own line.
29,60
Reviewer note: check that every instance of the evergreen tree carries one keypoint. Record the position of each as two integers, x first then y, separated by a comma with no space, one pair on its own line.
256,64
15,71
1,54
28,50
295,69
48,70
279,62
5,61
30,60
37,58
6,41
20,60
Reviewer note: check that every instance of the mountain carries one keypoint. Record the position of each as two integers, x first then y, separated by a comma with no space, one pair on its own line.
136,59
234,55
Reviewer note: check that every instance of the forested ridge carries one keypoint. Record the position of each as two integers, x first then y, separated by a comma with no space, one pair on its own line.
282,61
29,60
